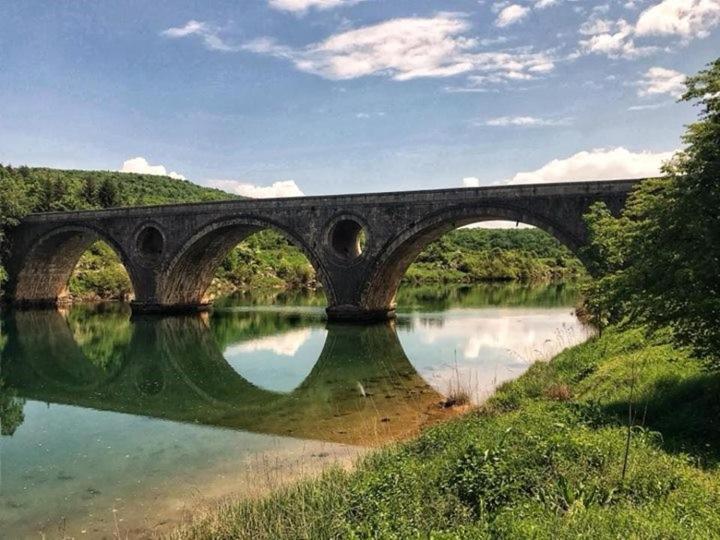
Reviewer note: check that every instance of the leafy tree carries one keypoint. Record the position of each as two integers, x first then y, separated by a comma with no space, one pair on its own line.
659,262
14,204
90,191
108,194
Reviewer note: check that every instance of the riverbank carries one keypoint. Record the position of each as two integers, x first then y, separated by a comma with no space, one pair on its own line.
546,457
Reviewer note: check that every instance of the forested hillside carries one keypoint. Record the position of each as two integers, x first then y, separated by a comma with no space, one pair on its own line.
473,255
24,190
265,260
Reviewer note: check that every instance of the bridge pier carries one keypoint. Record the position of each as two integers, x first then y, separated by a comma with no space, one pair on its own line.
355,314
342,314
154,308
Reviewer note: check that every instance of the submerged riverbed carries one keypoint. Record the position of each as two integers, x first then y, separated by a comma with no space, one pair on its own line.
112,425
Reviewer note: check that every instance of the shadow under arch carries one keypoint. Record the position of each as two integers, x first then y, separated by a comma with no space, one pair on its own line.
362,389
191,270
45,270
397,255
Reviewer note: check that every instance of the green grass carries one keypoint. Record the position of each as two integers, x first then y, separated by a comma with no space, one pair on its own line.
542,459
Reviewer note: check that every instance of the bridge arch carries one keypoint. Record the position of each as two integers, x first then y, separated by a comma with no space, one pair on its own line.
191,269
44,271
399,252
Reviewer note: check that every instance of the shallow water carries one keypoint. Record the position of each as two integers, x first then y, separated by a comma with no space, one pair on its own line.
114,426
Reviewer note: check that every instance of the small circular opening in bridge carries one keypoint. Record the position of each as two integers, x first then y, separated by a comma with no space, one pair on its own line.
348,239
150,241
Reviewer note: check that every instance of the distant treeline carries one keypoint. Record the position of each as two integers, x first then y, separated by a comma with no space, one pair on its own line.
475,255
265,260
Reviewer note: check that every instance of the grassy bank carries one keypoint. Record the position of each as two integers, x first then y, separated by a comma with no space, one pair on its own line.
546,457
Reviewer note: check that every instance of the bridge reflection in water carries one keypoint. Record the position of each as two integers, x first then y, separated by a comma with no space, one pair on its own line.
362,389
146,415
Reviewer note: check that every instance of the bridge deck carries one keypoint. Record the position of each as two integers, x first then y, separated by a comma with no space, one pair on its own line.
379,198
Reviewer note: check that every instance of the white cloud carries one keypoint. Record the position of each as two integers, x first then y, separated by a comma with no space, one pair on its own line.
301,6
209,35
542,4
140,165
526,121
284,188
599,164
408,48
685,18
657,80
511,14
601,8
366,115
287,344
595,25
649,107
611,38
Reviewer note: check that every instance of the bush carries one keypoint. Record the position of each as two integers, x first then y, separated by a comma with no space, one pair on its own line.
658,262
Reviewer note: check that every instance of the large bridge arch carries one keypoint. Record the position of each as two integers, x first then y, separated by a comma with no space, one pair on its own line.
192,267
40,276
397,255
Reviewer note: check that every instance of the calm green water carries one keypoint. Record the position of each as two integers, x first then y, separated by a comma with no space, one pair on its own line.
111,424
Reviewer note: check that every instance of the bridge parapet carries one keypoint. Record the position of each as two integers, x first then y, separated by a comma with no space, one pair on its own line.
172,251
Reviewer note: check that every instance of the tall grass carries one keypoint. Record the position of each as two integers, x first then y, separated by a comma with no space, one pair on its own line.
532,462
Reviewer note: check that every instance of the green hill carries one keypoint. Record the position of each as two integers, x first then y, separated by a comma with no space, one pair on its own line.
45,190
265,260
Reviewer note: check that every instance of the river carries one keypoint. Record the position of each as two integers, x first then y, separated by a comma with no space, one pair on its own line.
113,425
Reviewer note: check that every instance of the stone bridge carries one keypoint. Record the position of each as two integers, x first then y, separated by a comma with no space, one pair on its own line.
360,245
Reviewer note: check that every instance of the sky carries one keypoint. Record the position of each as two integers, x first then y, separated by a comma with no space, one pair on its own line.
289,97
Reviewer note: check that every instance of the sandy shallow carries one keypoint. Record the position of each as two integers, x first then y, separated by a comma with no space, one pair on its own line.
155,504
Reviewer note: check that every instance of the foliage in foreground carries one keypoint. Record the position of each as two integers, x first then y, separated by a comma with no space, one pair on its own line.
543,459
658,263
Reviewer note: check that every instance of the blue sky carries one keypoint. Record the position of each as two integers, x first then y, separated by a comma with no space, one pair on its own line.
275,97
